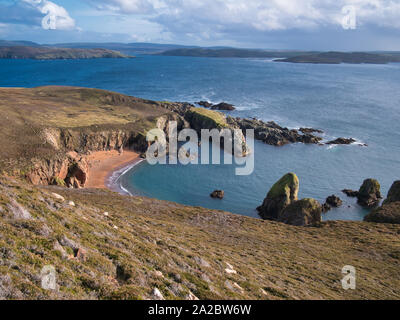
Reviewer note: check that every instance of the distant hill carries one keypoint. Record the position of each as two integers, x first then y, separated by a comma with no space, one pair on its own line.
45,53
126,48
6,43
344,57
232,53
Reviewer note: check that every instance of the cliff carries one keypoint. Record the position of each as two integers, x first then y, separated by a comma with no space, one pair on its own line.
45,131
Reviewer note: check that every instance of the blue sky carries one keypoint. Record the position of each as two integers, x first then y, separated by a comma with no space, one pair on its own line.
275,24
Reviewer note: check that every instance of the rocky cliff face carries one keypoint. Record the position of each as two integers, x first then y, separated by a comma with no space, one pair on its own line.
69,167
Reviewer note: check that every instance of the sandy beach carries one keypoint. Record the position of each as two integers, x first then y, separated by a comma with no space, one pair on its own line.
104,163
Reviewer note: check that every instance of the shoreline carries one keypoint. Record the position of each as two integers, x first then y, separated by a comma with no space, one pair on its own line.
112,181
107,167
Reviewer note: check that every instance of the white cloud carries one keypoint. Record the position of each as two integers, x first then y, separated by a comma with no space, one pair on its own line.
264,15
61,17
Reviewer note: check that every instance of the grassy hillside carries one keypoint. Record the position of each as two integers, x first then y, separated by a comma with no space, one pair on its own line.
46,122
108,246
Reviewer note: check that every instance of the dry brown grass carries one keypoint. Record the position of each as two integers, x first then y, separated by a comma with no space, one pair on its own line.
272,260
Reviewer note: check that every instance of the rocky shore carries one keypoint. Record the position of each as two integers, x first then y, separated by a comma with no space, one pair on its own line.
268,132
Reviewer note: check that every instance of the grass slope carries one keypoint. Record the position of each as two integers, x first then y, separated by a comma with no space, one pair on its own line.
144,244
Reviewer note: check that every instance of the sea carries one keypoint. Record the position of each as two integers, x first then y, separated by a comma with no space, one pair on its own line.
359,101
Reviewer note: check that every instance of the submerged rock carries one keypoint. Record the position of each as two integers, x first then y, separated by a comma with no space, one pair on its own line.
394,193
282,193
388,213
217,194
342,141
369,194
303,212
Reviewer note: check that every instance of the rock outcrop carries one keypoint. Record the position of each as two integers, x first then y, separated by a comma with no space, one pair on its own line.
200,118
217,194
282,193
350,193
331,201
369,194
310,130
334,201
205,104
223,106
273,134
394,193
388,213
269,132
342,141
303,212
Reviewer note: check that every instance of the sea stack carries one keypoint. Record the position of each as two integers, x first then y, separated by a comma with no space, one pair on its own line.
369,194
282,193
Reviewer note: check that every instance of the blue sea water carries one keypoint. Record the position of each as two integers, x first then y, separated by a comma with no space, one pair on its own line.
359,101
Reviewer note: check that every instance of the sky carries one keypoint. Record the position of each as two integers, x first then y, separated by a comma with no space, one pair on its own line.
347,25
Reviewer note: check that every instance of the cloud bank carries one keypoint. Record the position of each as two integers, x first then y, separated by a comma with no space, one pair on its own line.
291,24
262,15
32,13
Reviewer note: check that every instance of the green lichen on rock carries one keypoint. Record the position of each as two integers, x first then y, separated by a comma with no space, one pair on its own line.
369,194
302,213
200,118
281,194
394,193
288,185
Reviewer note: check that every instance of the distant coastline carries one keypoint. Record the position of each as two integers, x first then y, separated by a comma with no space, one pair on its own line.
290,56
46,53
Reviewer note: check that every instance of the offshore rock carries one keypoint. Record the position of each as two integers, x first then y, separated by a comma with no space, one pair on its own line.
303,212
369,194
282,193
